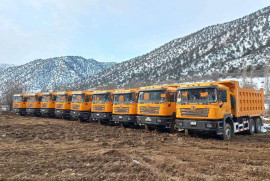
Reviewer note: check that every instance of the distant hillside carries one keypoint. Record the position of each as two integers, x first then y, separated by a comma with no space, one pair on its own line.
214,51
47,73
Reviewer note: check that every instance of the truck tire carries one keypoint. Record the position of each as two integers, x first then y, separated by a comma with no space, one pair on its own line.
186,132
123,125
258,125
147,127
251,126
172,128
227,132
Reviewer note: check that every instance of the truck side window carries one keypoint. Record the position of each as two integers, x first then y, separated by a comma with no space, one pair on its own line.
87,99
233,101
224,95
172,97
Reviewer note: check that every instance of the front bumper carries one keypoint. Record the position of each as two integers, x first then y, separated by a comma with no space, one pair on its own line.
101,115
62,113
159,121
80,114
19,110
129,119
203,125
33,111
47,112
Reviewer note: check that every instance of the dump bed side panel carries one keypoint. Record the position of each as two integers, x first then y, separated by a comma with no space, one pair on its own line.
249,102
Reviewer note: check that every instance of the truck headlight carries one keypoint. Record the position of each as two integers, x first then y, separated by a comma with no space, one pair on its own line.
210,125
128,119
180,124
105,115
158,120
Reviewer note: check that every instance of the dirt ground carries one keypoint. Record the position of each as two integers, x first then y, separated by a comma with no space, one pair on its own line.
54,149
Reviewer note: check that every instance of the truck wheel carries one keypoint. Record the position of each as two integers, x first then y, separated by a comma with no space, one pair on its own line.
186,132
258,125
147,127
172,128
251,125
227,132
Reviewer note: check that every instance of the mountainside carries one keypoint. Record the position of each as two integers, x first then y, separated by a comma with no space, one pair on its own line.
219,50
4,66
47,73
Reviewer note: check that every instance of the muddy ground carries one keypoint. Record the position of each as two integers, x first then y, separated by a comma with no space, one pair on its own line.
54,149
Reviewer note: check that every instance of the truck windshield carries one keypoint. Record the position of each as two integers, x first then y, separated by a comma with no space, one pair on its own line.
46,98
152,96
61,98
32,98
101,98
200,95
77,97
17,99
124,98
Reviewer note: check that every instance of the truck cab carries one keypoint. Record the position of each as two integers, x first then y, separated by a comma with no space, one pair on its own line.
156,107
102,106
125,107
218,107
19,104
33,104
63,104
48,104
81,105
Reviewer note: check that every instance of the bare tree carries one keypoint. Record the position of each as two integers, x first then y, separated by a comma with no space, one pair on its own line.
244,74
266,76
8,90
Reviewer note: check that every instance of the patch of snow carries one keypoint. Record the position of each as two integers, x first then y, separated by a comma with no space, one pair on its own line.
265,128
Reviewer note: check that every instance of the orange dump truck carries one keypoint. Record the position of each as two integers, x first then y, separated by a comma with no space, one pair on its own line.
219,107
19,104
81,105
156,107
33,104
125,107
48,104
102,106
63,104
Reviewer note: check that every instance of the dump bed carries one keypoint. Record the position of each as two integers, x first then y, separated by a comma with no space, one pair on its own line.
249,102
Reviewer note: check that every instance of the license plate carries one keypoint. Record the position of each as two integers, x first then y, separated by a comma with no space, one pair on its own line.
193,123
148,119
120,117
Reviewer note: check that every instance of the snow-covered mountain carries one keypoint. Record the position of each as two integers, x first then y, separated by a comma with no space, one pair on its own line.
47,73
218,50
4,65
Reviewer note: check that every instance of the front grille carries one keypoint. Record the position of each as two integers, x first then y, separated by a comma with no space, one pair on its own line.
44,105
30,105
121,110
98,108
150,110
201,112
75,106
59,106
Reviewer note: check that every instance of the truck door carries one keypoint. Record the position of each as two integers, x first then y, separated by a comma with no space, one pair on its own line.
224,102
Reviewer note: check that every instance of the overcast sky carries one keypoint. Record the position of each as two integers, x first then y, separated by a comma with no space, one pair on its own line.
106,30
